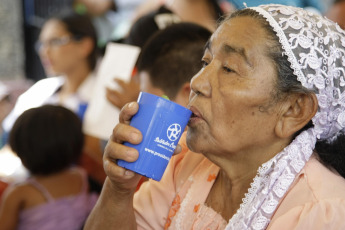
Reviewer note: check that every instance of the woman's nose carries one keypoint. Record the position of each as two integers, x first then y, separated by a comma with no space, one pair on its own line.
200,83
44,50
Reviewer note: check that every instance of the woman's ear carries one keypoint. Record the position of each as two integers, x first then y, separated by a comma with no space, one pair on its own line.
87,46
182,96
185,89
297,111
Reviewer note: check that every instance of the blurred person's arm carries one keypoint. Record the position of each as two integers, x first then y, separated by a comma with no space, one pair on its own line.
9,209
129,91
97,7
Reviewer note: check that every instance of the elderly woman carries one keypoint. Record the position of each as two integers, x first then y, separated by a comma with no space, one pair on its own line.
268,119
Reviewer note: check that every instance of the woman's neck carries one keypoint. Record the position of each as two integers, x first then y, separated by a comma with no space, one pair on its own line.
226,195
74,78
236,174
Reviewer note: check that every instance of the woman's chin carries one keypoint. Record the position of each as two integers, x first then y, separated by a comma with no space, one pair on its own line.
50,71
192,140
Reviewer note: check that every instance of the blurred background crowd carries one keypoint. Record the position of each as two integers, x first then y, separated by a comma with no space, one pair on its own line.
28,35
21,22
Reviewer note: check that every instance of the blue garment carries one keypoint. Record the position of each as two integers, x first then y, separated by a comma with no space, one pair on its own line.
81,110
317,4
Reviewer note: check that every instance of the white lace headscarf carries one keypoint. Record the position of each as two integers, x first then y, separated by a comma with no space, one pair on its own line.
315,47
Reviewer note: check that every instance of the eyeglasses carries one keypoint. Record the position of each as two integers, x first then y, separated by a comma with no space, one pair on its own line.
55,42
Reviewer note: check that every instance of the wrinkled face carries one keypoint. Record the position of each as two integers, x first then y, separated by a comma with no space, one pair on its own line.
232,95
58,51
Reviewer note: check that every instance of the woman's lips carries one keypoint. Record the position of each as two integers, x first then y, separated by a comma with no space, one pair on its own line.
46,63
196,116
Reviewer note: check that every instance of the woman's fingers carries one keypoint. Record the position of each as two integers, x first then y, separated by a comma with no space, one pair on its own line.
126,133
128,111
116,151
124,178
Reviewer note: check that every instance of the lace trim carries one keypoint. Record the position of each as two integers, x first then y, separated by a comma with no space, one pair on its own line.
272,181
284,42
314,46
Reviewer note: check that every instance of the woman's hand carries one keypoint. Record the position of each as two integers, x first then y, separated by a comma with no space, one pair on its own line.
114,208
122,179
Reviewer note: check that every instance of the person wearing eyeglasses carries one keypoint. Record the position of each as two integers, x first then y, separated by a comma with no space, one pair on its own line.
67,47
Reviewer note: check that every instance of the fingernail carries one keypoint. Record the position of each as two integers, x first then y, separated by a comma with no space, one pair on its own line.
131,154
131,105
134,136
129,173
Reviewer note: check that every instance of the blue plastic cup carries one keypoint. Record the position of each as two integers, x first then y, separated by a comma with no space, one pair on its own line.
162,123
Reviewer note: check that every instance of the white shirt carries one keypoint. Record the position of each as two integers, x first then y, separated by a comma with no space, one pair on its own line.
45,92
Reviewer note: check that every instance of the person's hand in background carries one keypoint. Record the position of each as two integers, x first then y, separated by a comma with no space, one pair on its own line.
128,92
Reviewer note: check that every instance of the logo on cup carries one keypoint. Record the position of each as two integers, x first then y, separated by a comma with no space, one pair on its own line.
174,131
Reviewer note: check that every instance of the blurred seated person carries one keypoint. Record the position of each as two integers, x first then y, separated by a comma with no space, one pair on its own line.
49,142
336,13
169,60
68,50
141,30
202,12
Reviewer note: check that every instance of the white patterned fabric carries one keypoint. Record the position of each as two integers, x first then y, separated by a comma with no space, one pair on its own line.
315,47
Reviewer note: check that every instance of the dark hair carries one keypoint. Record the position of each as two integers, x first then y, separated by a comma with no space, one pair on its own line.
80,26
145,26
338,1
47,139
331,154
218,12
173,56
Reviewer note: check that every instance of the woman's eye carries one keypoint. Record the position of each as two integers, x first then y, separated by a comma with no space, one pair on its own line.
227,69
204,63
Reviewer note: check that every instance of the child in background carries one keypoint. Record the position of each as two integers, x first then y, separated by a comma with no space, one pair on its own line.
169,59
49,141
67,47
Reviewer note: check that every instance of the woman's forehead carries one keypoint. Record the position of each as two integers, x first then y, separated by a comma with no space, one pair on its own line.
243,28
53,27
242,35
